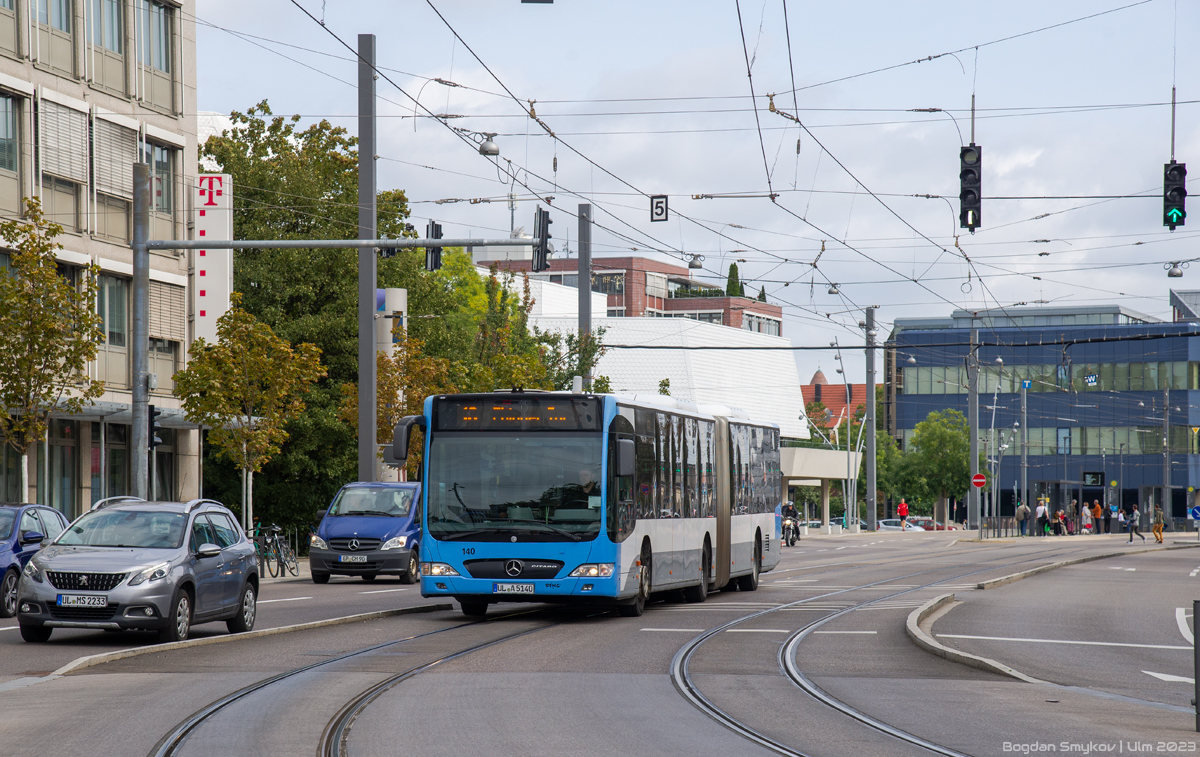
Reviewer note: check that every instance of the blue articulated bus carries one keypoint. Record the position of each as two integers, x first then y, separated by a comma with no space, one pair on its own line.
598,500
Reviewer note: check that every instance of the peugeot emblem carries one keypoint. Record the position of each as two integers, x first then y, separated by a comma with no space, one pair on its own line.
513,567
353,545
83,580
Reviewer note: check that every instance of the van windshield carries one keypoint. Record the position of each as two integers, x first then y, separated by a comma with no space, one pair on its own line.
381,501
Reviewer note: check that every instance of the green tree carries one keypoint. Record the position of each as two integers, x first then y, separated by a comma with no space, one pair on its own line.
245,388
938,463
602,385
49,329
733,285
664,387
762,294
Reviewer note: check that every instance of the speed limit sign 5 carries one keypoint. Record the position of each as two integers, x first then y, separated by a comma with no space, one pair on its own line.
658,208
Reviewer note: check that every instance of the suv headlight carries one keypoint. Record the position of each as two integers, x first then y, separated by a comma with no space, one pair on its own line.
593,570
153,573
437,569
317,541
33,571
396,542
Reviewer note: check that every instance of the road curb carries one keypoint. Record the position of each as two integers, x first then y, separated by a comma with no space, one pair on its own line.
926,641
89,661
993,583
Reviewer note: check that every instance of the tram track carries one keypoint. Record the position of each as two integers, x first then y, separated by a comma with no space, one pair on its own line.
337,729
687,687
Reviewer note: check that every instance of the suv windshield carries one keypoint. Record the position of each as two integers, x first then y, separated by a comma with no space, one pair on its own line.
543,486
371,500
126,528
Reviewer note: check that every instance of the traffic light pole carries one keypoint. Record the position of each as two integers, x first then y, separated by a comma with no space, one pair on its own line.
872,481
973,499
139,348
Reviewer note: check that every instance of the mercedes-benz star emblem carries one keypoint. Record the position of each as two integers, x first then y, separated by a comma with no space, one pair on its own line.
353,545
513,567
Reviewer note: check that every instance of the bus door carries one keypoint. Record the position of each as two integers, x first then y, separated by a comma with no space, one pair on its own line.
722,504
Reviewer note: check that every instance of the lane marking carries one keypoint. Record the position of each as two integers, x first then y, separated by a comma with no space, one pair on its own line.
1063,641
836,549
1170,678
856,632
1193,573
384,591
675,630
289,599
1130,570
1181,621
758,630
9,628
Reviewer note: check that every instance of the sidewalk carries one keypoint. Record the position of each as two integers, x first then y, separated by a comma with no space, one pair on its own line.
301,564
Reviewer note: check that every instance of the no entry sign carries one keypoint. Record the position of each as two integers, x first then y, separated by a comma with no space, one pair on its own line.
978,480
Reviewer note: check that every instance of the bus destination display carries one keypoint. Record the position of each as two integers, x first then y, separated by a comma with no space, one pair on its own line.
544,413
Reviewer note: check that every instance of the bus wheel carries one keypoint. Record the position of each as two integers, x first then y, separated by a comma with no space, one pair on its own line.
750,582
474,609
634,607
700,593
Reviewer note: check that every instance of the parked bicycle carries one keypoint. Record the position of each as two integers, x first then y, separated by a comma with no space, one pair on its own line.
275,553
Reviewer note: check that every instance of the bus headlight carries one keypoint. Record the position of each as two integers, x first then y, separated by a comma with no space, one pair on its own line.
437,569
593,570
395,543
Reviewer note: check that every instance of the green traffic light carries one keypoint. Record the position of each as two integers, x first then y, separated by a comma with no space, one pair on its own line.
1174,215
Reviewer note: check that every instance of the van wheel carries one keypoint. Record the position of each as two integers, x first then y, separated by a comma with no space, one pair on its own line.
750,582
320,578
633,608
700,593
369,577
413,574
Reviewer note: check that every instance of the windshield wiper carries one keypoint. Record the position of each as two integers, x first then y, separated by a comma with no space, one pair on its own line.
370,512
461,534
539,524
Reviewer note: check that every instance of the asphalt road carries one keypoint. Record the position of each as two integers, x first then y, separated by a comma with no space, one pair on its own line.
545,681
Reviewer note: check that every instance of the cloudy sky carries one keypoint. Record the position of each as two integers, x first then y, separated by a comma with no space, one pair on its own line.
652,97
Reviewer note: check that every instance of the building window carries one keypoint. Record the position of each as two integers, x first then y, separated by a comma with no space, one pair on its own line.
108,44
616,312
56,13
112,218
8,26
113,305
156,36
761,324
609,283
54,45
162,176
162,363
10,157
656,285
60,201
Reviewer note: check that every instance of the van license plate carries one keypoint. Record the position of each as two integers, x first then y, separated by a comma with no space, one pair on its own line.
352,558
512,588
81,600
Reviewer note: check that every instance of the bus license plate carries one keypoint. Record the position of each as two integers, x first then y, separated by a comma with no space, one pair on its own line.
352,558
512,588
81,600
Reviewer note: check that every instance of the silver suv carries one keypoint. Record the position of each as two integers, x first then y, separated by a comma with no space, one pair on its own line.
129,563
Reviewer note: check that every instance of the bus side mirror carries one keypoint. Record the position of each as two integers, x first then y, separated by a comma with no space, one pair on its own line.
625,458
400,435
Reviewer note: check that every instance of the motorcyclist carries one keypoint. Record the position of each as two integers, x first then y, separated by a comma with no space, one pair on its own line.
789,511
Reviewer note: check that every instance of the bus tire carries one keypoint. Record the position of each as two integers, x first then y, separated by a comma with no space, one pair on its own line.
473,609
750,582
700,593
633,608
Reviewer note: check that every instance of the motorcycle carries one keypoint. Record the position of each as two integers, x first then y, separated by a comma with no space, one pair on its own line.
790,532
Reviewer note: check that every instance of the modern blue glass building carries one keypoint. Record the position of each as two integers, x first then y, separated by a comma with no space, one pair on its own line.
1112,398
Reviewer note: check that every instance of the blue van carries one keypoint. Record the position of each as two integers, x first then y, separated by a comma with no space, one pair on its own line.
369,530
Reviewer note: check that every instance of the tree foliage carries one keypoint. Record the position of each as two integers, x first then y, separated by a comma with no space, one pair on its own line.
733,285
49,329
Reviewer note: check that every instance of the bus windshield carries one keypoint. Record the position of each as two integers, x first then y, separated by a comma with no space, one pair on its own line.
538,486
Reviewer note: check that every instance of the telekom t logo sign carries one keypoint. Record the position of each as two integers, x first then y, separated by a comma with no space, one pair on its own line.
210,189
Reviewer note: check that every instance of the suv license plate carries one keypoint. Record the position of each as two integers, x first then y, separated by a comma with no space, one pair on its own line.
512,588
352,558
81,600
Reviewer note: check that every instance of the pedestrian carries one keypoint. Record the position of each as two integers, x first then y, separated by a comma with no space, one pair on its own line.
1087,519
1097,514
1133,520
1022,516
902,511
1041,518
1121,521
1108,511
1060,520
1159,520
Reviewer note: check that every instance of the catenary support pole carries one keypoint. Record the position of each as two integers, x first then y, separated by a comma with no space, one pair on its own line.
872,481
1196,668
585,281
139,442
367,457
1165,497
1024,447
973,510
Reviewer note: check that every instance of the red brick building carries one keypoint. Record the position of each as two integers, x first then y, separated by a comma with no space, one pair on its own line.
644,287
833,396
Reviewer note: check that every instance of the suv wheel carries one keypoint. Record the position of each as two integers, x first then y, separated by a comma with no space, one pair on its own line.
8,594
179,621
36,634
247,610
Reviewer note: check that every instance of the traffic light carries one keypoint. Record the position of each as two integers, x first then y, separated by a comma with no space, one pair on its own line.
1174,194
541,244
155,440
970,191
433,255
